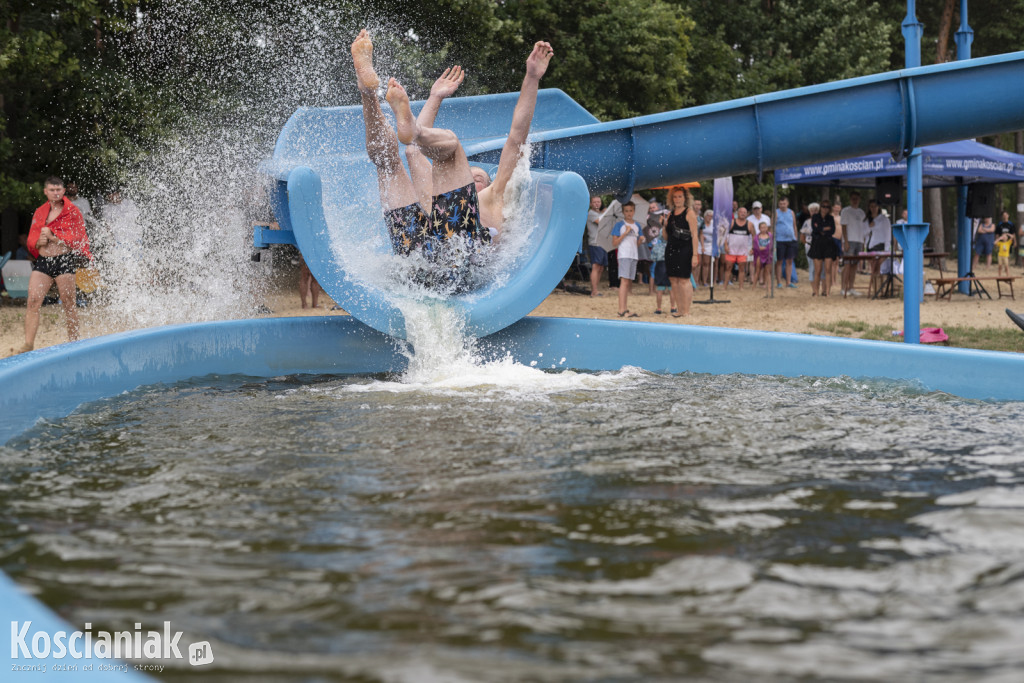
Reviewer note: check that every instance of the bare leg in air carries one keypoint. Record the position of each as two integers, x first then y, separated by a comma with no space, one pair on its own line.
396,187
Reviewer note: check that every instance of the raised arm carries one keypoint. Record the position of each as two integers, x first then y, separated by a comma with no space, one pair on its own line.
536,65
444,86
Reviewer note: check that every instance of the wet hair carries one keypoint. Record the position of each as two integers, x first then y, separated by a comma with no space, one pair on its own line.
53,180
477,168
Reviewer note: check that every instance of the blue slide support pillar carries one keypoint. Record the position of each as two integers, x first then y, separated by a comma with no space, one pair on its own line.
964,38
911,238
913,275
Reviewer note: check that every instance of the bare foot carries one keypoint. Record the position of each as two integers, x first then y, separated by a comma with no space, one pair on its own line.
25,348
362,58
405,124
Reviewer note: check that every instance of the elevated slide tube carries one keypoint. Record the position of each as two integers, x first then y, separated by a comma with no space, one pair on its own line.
326,186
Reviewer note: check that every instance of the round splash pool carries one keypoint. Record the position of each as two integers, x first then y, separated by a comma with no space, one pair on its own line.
281,491
529,525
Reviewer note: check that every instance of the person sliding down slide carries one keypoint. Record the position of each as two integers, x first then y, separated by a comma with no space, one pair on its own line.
466,208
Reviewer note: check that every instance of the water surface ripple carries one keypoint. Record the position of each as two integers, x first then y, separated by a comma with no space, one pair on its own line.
614,526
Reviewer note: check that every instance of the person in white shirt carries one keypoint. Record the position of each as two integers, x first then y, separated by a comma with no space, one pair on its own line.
756,220
854,237
879,229
626,236
879,239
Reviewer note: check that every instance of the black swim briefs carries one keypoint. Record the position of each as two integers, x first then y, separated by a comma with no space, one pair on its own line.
55,266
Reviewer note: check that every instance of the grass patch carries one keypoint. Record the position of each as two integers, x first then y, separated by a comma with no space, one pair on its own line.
856,329
986,338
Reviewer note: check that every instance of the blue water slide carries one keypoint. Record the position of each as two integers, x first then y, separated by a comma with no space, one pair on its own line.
325,181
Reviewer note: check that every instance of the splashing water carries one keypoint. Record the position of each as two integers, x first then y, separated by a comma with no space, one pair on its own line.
184,255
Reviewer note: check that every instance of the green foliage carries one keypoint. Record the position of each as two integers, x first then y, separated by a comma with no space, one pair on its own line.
743,48
67,103
617,59
90,86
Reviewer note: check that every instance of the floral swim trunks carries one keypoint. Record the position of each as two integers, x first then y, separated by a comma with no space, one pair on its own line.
450,238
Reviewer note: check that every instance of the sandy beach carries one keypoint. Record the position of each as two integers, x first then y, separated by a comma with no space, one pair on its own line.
789,310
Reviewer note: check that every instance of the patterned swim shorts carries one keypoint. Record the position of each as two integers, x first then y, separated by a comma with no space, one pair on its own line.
450,238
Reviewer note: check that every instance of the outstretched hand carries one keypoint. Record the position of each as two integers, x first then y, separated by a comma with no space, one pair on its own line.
537,62
448,82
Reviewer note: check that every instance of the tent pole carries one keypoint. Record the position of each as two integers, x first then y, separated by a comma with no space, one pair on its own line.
772,282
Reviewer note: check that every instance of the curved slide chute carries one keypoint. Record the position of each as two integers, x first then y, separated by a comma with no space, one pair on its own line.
324,179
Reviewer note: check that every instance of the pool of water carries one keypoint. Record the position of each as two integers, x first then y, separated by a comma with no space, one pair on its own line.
528,525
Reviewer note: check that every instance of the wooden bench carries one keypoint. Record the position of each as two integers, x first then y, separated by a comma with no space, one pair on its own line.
945,286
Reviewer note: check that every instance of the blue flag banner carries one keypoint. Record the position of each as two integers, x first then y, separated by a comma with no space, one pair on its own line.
723,210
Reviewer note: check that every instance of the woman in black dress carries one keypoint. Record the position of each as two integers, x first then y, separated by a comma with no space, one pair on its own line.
823,247
680,233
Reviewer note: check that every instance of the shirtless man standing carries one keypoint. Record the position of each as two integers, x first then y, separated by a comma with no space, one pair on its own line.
463,201
58,241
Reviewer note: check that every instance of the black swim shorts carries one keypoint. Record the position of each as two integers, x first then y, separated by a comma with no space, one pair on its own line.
55,266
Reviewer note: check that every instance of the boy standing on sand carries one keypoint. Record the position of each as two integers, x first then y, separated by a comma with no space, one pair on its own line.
625,237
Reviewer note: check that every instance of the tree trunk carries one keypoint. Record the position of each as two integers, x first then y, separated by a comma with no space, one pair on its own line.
945,27
933,195
937,233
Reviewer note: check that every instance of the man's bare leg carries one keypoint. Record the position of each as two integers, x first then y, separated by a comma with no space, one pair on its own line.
441,146
38,285
396,188
68,293
420,169
421,172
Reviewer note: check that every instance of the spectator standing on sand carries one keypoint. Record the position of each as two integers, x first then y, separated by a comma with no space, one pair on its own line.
984,240
58,240
1004,247
823,248
879,238
611,216
626,236
756,218
598,243
854,231
763,257
785,242
652,232
806,233
737,244
308,286
681,236
1005,227
660,277
707,247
